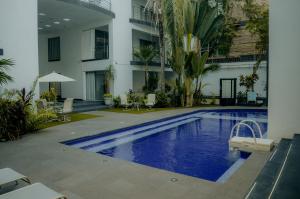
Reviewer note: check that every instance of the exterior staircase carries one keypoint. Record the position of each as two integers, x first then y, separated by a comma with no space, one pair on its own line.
280,177
85,106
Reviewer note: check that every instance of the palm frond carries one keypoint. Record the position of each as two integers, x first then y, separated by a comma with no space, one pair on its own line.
5,64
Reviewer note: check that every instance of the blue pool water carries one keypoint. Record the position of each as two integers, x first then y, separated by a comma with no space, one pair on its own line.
194,144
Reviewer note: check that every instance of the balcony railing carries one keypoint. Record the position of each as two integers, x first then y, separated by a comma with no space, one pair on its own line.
105,4
141,14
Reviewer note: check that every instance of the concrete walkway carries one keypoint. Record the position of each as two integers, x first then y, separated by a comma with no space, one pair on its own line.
80,174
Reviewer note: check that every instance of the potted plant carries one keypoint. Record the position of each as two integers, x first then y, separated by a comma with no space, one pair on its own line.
109,75
108,99
249,81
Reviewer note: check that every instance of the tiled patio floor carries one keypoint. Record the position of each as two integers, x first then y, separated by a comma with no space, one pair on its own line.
79,174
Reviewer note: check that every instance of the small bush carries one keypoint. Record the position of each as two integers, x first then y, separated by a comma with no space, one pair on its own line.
12,119
162,100
117,102
50,96
36,121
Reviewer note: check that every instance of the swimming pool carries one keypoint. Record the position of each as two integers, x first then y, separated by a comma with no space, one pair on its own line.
193,144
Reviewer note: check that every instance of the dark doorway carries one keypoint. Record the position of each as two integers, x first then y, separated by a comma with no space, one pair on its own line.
228,92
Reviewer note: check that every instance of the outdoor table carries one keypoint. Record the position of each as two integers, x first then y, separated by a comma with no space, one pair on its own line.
136,105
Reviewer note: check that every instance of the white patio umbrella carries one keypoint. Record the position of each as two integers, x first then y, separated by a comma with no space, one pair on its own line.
55,77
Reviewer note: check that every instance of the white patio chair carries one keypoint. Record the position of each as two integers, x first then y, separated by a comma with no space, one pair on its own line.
67,108
151,100
124,102
34,191
8,175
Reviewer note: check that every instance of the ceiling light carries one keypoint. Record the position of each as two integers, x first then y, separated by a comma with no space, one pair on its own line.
48,26
42,14
66,19
56,22
40,28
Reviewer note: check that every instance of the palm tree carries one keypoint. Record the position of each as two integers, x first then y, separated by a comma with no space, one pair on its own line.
200,70
146,55
191,25
157,7
4,65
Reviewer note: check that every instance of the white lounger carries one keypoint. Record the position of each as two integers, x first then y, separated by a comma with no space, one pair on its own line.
250,144
8,175
34,191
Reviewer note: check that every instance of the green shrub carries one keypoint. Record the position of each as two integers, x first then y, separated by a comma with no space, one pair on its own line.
117,102
12,119
36,121
162,100
17,116
50,96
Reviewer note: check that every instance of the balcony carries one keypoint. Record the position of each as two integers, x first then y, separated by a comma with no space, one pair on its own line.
103,6
106,4
136,61
140,15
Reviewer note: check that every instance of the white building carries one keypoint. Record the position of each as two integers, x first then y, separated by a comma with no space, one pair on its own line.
81,38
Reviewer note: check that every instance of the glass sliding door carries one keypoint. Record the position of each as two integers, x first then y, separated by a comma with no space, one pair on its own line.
99,86
95,86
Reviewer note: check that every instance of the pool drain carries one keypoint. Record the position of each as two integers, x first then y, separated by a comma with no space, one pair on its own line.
174,179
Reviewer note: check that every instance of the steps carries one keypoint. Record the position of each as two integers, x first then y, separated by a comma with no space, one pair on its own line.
85,106
280,177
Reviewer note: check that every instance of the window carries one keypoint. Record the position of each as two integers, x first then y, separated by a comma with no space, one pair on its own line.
101,45
145,43
54,49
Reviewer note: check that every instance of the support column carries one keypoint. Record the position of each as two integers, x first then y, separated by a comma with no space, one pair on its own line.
284,79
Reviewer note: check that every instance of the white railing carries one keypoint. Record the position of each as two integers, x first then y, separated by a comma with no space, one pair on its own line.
106,4
246,124
140,13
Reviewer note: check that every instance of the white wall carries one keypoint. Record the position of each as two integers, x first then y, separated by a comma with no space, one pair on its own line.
19,39
284,93
69,64
72,54
235,70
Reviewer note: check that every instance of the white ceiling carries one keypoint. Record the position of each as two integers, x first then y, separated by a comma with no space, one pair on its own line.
56,11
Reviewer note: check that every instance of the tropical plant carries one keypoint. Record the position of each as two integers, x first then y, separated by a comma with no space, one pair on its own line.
162,100
4,66
191,26
17,115
50,95
248,81
152,83
200,70
158,9
146,54
117,102
109,74
258,26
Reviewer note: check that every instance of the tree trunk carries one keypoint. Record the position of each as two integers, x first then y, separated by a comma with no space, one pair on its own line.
147,78
189,96
162,55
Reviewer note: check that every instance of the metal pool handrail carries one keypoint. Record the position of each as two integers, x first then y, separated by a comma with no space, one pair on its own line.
238,130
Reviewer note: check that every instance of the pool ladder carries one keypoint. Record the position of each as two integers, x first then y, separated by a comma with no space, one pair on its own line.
246,124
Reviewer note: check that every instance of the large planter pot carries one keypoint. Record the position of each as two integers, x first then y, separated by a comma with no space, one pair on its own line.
108,101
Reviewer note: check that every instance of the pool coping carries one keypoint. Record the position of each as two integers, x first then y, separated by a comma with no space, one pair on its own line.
115,131
79,174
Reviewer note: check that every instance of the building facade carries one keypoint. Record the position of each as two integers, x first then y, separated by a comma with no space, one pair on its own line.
81,38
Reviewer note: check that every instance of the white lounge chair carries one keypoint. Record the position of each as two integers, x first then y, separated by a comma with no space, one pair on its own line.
124,102
34,191
151,100
67,108
8,175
